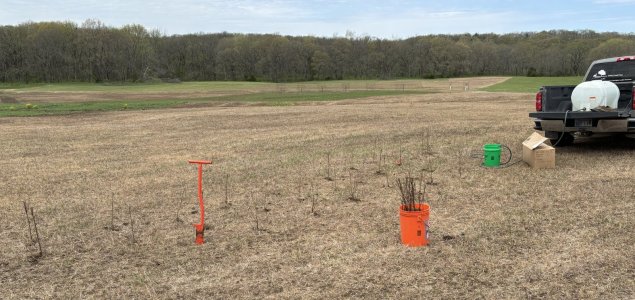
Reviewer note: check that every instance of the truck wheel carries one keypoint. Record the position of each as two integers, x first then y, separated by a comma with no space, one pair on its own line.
566,140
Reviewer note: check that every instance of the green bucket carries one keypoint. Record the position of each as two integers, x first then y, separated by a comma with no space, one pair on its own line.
492,155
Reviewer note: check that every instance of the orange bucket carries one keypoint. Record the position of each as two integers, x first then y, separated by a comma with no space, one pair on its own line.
414,225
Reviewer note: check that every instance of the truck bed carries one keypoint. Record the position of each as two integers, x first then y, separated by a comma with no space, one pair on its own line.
558,99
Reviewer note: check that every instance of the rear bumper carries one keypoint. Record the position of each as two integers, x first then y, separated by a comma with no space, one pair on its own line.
626,125
582,115
619,121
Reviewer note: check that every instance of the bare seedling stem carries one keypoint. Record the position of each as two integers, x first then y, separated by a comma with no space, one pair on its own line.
256,217
26,212
381,156
426,148
176,211
379,162
328,166
112,211
459,157
255,212
431,180
226,189
131,224
352,187
37,234
409,194
314,197
300,190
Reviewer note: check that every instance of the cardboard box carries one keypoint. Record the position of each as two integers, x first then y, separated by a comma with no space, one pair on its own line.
537,153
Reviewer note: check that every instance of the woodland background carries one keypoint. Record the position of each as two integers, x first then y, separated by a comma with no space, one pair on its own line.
93,52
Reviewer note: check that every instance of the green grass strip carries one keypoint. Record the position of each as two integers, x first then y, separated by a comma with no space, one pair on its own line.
275,98
268,98
531,84
39,109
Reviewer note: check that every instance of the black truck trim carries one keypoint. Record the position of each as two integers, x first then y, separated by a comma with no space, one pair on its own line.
580,115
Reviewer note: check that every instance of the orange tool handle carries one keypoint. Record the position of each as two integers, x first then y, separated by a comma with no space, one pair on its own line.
200,227
205,162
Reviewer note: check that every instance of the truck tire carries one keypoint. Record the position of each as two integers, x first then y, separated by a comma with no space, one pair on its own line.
566,140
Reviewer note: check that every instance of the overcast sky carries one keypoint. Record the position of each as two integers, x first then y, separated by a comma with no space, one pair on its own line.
384,19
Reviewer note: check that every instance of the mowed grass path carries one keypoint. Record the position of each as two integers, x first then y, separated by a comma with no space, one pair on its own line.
531,84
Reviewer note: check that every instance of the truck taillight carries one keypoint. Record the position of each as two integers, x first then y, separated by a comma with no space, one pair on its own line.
539,101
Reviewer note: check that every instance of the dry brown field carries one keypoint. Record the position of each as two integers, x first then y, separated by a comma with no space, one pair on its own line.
284,231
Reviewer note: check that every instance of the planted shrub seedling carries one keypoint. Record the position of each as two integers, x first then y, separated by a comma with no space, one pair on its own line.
255,208
352,188
132,238
28,221
37,234
328,167
227,189
313,195
380,161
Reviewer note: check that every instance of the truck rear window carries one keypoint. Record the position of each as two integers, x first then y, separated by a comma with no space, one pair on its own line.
612,71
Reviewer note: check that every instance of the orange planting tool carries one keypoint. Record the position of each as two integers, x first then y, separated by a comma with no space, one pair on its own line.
200,228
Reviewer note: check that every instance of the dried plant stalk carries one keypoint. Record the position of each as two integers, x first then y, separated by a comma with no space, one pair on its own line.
112,211
227,189
328,167
37,235
409,194
28,221
131,224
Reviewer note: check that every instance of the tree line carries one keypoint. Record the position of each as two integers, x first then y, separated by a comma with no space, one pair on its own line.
94,52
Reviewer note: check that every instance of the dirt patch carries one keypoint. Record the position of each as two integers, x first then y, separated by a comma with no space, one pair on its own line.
8,99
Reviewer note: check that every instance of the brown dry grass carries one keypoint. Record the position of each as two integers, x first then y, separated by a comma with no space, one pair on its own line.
505,233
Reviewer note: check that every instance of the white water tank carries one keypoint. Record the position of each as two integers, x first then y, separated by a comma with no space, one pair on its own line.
591,94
